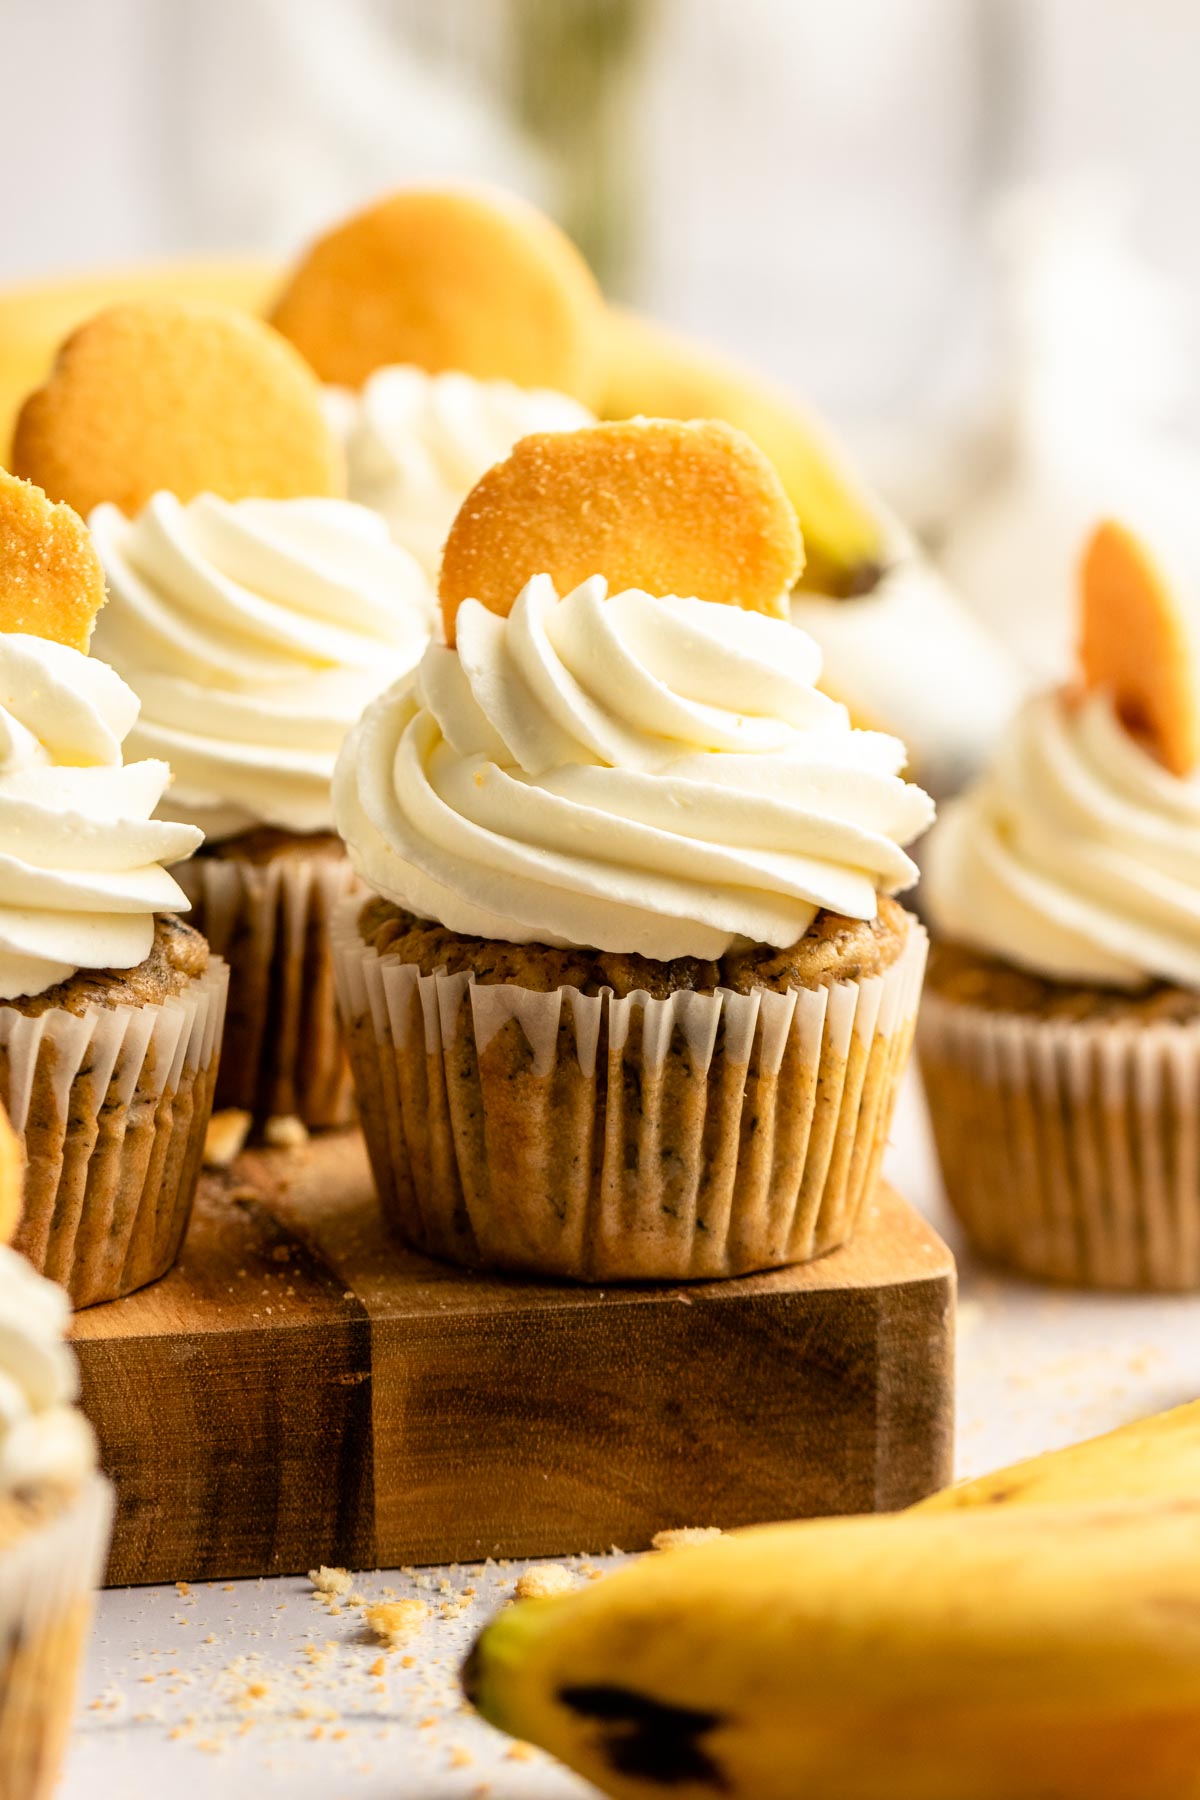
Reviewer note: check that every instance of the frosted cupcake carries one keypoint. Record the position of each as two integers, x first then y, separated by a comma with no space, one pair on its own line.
1060,1036
55,1518
110,1008
254,611
632,999
254,633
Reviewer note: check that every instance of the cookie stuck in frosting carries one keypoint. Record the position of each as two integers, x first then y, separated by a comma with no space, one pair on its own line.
51,581
1135,644
667,508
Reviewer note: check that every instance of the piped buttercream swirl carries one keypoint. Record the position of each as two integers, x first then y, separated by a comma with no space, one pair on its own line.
81,856
44,1439
254,632
1076,856
627,773
416,443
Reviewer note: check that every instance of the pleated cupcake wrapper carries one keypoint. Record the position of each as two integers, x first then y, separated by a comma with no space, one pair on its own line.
48,1579
284,1055
607,1139
1069,1150
111,1105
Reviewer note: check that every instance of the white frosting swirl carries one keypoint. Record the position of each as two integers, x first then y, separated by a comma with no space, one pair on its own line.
44,1439
80,869
255,631
624,773
416,443
1076,855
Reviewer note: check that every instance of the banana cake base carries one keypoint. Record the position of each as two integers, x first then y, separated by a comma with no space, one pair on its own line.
608,1117
108,1078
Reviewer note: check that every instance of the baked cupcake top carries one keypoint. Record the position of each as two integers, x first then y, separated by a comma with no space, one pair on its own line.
416,443
634,771
81,874
1077,854
45,1441
254,632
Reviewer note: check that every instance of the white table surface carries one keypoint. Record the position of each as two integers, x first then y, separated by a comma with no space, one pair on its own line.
246,1688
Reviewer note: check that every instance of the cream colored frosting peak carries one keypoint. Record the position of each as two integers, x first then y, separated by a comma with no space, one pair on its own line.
254,632
81,868
1076,855
416,443
44,1439
625,773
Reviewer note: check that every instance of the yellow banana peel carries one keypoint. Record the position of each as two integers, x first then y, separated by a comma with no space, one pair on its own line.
656,372
1152,1459
1003,1653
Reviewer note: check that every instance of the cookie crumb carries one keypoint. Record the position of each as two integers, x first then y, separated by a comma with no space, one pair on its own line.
226,1136
543,1581
394,1620
285,1132
683,1535
330,1581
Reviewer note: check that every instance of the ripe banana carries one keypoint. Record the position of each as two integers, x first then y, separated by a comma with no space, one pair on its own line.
35,318
905,656
1024,1653
1152,1459
654,371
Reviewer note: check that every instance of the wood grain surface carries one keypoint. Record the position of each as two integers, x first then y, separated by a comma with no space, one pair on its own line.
302,1388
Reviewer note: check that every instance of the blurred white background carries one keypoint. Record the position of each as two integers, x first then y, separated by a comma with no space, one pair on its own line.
827,189
810,182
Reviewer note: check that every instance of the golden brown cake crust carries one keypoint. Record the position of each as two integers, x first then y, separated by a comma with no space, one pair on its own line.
834,949
177,956
973,979
267,844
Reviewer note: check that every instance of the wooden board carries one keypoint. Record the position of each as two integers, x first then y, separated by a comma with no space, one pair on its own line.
303,1389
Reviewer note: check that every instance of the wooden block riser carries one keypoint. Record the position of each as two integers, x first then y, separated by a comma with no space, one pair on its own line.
303,1389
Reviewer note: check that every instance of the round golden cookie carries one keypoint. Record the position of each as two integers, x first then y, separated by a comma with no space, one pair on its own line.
12,1179
51,581
1135,643
695,510
458,278
185,396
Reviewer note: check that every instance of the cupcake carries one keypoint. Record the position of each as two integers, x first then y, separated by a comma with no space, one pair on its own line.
450,323
1060,1035
631,998
110,1008
254,620
55,1518
254,632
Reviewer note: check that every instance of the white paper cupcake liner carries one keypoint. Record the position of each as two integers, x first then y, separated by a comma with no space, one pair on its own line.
48,1579
284,1055
111,1106
622,1139
1069,1149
